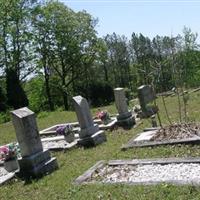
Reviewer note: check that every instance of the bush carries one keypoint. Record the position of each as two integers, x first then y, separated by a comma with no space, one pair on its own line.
100,94
4,117
97,93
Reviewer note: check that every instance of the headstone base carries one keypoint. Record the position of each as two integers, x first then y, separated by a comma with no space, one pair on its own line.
95,139
148,112
89,131
37,165
126,122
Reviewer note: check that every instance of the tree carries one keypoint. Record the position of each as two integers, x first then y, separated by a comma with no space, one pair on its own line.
118,60
72,44
15,37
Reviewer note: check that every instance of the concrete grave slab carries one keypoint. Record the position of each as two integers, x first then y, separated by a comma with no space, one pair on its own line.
178,171
76,128
144,139
57,143
145,136
5,176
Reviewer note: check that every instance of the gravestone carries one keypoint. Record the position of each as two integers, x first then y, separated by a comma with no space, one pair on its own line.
124,117
90,135
35,161
146,95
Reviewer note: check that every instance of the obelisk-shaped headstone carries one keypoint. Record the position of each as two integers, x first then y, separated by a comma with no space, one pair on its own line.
90,135
35,161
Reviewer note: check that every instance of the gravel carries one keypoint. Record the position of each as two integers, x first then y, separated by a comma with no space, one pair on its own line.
188,173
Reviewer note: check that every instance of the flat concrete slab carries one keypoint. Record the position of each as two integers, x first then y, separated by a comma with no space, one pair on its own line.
145,136
5,176
76,129
144,139
57,143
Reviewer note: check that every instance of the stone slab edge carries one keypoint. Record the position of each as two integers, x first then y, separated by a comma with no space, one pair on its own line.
48,131
7,177
87,175
132,143
161,161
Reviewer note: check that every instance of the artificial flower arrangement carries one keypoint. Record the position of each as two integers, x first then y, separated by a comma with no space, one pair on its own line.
67,131
9,152
103,116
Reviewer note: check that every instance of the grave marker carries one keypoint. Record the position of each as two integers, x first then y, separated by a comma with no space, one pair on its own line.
125,117
90,135
35,161
146,95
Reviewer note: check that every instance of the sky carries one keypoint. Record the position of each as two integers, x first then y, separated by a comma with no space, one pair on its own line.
149,17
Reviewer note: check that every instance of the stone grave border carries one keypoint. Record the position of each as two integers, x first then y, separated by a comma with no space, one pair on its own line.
134,144
162,161
48,131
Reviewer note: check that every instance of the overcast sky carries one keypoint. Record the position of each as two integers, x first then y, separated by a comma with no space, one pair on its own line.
147,17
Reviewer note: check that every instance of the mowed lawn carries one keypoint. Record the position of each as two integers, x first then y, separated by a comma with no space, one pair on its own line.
73,163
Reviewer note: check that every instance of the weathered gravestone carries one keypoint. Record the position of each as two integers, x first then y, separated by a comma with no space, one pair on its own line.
146,96
90,135
35,161
125,117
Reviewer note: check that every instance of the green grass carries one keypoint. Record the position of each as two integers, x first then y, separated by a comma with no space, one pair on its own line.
73,163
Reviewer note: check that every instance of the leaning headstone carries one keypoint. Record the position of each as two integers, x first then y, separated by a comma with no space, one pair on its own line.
124,117
35,161
146,95
90,135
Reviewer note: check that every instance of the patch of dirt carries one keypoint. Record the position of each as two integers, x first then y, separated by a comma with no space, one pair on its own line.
178,131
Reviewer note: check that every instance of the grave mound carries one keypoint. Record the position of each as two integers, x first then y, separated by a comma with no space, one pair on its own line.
177,131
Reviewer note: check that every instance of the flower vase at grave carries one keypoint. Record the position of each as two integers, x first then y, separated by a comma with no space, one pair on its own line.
69,137
67,131
11,165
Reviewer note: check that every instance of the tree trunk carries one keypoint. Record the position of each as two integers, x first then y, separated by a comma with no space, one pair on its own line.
50,102
64,94
105,72
65,100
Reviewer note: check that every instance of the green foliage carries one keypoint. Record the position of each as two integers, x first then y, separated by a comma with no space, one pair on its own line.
36,94
4,117
62,46
15,93
100,94
3,102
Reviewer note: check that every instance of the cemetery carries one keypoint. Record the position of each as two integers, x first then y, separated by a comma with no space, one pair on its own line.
33,146
88,113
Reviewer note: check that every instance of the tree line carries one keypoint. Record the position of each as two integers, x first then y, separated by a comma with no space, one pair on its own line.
49,53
